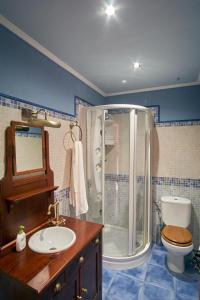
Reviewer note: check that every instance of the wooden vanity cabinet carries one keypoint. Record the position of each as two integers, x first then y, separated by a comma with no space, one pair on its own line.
82,279
74,274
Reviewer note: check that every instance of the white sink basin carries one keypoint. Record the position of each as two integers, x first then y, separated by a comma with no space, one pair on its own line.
52,240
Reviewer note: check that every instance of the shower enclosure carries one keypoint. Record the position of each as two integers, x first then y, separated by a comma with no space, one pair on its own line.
118,176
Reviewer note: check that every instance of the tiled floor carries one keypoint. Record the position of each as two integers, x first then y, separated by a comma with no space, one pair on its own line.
151,281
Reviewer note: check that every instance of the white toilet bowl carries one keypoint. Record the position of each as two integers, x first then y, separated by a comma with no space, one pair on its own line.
177,239
175,256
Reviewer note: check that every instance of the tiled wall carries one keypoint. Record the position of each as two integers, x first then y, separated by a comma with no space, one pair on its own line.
175,170
176,167
176,159
176,151
59,142
161,186
174,187
117,200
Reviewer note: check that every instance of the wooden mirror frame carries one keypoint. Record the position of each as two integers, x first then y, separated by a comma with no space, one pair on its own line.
14,124
23,199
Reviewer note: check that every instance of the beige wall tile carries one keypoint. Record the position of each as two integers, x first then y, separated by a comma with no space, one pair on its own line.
59,156
176,151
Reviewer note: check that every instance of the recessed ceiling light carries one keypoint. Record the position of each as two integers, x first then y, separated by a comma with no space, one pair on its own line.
124,81
136,65
110,10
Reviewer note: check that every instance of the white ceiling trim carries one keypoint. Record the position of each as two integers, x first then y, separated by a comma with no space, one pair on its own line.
27,38
156,88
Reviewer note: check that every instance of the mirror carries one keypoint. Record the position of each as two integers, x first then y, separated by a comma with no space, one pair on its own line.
29,149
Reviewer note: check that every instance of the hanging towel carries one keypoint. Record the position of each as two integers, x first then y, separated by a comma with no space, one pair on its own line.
78,197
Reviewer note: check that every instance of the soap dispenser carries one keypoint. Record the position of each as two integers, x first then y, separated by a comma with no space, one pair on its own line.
21,239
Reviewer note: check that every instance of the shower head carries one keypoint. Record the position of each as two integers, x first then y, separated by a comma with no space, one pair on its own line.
108,116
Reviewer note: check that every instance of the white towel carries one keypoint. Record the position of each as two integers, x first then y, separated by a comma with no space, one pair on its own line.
78,197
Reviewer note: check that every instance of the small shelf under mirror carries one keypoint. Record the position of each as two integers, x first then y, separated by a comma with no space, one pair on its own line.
16,198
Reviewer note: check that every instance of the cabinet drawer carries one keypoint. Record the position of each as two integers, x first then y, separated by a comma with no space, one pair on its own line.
57,285
64,287
83,255
81,279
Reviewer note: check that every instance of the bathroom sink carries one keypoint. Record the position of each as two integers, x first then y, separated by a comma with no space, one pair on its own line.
52,240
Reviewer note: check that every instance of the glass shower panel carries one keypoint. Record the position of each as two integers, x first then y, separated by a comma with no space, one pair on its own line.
116,191
95,120
141,209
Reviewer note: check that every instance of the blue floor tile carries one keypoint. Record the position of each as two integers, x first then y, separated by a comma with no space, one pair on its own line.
151,281
139,272
107,276
160,248
160,276
184,297
189,289
158,258
124,287
152,292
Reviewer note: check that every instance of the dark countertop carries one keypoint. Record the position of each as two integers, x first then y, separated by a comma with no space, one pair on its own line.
36,270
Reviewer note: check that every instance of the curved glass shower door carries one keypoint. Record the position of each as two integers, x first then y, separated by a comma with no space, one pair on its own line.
141,184
118,177
116,185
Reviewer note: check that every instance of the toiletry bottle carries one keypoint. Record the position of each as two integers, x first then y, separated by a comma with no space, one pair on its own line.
21,239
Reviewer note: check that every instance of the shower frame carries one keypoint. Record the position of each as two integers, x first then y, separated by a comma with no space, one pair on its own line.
132,260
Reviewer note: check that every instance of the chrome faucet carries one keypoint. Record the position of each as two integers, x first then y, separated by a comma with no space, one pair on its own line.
57,220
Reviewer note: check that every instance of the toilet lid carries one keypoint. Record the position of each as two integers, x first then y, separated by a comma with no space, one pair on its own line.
177,235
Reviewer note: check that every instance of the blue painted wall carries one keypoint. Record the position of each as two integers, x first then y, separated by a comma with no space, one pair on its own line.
27,74
175,104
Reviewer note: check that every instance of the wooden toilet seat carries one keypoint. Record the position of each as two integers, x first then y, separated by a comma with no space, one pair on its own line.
177,236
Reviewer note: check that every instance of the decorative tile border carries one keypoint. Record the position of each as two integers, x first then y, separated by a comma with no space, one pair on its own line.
35,135
80,101
183,182
156,115
122,178
118,178
178,123
61,193
155,110
16,103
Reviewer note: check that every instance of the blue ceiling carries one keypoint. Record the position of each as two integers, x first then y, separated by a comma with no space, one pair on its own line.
162,35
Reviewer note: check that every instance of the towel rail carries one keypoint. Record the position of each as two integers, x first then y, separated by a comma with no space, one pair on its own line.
71,126
72,134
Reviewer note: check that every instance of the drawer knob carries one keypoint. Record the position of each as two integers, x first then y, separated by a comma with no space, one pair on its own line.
84,290
58,287
81,259
97,241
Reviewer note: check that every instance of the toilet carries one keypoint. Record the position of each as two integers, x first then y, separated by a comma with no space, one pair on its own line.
176,238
